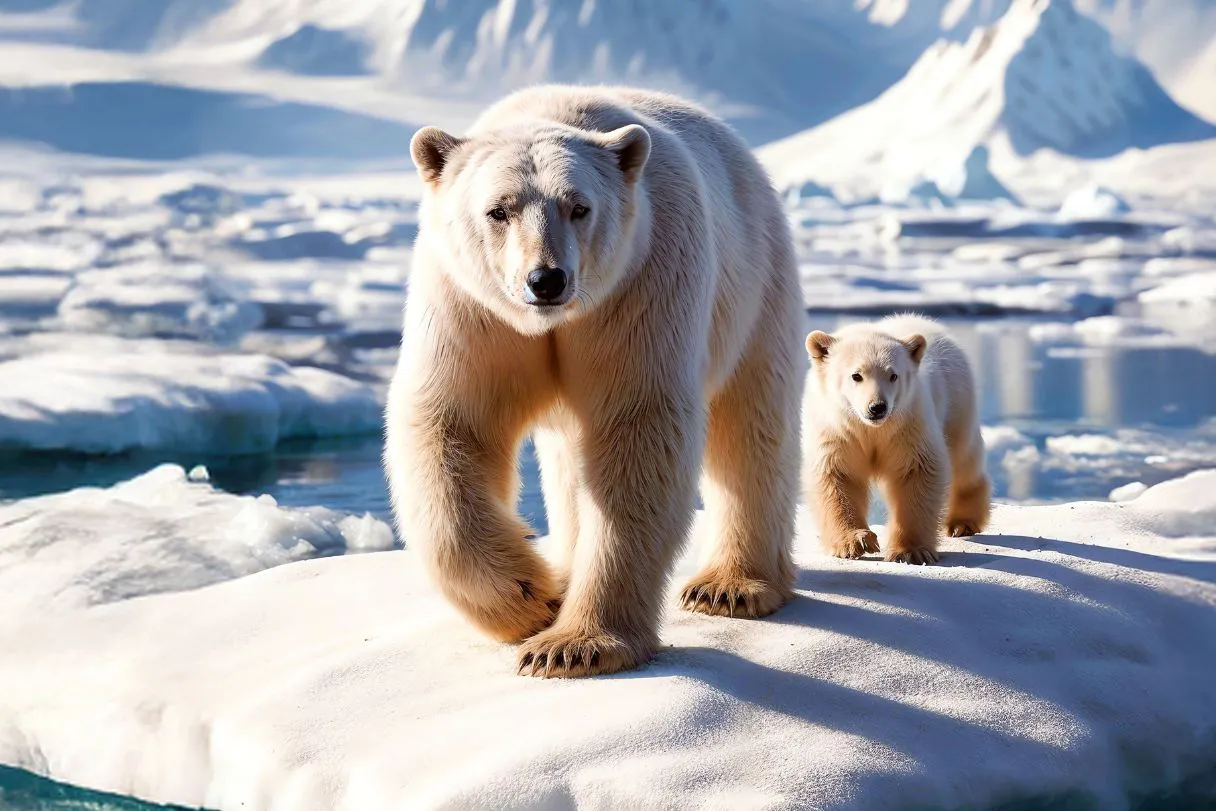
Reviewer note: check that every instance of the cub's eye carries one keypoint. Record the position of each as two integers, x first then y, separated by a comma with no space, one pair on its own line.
499,213
894,377
856,377
578,212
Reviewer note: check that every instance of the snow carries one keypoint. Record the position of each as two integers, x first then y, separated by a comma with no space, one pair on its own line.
143,300
161,531
1059,655
1092,202
109,396
1041,78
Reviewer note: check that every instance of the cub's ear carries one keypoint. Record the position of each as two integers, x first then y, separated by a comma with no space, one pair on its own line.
631,144
818,343
430,148
916,347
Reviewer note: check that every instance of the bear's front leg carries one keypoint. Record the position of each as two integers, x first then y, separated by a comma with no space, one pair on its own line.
452,480
640,461
839,498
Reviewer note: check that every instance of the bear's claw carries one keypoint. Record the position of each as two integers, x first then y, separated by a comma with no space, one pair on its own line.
559,653
962,529
732,596
855,543
918,556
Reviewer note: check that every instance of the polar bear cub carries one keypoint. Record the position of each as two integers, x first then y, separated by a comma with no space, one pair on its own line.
893,401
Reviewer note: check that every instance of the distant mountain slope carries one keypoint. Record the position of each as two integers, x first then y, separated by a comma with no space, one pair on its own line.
772,67
1043,77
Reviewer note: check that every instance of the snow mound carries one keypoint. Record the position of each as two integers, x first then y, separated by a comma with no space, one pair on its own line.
1042,77
1180,507
1092,202
98,396
159,532
1196,289
146,300
969,181
1059,656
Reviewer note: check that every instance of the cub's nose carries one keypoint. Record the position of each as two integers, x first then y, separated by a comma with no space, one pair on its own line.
547,284
877,410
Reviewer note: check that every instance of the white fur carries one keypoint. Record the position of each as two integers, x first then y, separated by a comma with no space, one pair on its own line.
676,354
926,452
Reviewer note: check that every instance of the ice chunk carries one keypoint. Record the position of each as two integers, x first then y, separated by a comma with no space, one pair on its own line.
113,396
162,531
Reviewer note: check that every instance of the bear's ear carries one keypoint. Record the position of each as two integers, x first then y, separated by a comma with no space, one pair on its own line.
916,347
818,343
430,148
632,145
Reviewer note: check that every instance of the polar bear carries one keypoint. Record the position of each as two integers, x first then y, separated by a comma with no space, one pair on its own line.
893,401
610,269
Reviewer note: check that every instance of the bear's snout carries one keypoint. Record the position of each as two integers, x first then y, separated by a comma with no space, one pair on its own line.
547,286
877,410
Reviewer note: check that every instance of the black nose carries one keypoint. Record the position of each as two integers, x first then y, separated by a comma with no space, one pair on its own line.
877,410
547,284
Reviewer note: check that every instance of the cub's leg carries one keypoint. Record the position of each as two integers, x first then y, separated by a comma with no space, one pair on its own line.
838,493
641,451
750,485
915,491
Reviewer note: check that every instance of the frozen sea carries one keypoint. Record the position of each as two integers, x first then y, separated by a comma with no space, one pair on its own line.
1092,336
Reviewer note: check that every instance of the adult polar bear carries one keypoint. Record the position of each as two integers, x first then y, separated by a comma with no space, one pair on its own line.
611,269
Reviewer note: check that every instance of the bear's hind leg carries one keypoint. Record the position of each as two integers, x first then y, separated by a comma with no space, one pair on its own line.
970,490
750,487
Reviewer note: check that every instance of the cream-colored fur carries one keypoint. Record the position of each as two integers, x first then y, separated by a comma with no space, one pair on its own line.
676,354
926,451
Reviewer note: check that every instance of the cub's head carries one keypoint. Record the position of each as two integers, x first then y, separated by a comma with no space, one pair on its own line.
872,373
537,222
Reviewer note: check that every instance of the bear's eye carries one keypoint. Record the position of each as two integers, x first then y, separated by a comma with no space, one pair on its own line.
894,377
578,212
498,213
856,377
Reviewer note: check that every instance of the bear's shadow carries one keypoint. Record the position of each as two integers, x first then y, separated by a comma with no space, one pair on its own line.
1023,630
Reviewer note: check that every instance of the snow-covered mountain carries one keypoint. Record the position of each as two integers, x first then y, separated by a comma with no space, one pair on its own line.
772,66
1043,77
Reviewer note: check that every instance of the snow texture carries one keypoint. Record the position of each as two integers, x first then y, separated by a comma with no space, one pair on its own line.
93,395
1062,655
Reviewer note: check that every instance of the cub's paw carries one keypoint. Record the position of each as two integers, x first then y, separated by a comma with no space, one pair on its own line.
726,595
917,556
963,528
853,543
560,653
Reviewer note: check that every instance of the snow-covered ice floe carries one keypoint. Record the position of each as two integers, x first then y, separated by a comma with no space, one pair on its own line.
97,394
1067,654
163,531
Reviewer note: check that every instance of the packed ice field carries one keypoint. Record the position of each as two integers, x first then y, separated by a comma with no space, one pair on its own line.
198,313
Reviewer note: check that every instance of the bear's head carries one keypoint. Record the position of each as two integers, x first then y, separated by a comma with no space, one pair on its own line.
539,221
873,373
